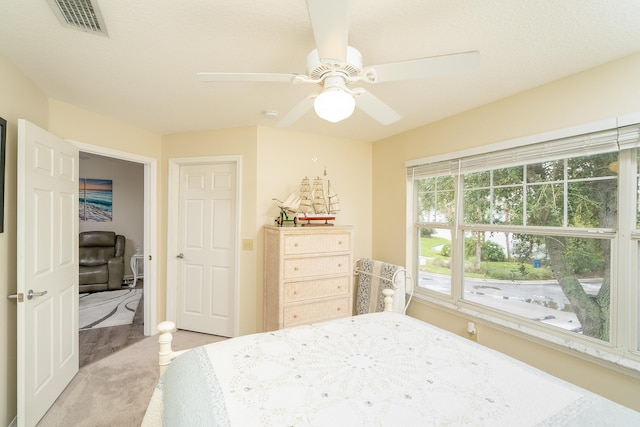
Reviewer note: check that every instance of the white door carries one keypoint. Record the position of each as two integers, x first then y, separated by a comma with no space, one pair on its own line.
47,269
207,246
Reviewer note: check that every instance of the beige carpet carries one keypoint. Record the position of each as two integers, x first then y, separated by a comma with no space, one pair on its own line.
115,391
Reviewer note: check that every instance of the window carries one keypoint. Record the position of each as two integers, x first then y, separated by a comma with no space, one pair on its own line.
544,236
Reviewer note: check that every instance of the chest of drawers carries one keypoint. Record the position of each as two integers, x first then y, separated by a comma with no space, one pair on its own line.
308,275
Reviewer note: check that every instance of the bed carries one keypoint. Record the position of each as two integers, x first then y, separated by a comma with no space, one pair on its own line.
377,369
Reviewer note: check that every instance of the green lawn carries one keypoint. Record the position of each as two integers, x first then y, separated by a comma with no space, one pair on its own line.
430,247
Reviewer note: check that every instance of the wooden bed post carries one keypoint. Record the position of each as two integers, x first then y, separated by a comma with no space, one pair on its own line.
165,355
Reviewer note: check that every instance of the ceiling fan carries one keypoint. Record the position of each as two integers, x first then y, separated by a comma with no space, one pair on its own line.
335,67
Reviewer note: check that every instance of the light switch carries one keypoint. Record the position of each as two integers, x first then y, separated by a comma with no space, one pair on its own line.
247,244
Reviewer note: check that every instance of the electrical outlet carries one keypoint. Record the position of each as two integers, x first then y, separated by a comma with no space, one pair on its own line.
472,331
247,244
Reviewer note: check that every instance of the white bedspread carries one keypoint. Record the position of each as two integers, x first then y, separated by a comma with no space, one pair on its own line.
380,369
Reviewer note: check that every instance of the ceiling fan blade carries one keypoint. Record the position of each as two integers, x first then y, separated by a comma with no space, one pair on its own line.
296,112
377,109
330,24
245,77
456,63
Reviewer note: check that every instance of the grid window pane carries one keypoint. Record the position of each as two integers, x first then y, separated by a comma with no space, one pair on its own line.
436,199
545,205
434,260
560,281
508,205
545,243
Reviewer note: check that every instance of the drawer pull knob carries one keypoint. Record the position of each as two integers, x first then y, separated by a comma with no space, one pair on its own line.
295,316
339,265
295,293
295,245
295,268
338,308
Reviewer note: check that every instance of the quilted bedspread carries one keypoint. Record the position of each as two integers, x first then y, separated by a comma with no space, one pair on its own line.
379,369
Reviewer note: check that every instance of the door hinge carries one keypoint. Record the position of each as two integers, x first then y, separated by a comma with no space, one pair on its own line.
19,297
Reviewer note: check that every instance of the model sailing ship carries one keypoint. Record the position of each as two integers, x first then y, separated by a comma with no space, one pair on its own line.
309,205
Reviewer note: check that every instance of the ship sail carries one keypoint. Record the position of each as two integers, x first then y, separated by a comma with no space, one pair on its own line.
319,202
291,203
334,201
305,197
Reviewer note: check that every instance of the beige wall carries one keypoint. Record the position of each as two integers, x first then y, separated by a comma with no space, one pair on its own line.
228,142
597,94
273,163
285,157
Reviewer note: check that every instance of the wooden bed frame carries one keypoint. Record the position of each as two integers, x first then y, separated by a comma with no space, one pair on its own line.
166,329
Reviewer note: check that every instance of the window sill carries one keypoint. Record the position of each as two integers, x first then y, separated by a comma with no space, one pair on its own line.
599,356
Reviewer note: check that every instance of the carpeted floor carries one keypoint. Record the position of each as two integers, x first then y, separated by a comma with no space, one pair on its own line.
115,391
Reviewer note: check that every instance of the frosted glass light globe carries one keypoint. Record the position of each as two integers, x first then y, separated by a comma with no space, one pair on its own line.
334,105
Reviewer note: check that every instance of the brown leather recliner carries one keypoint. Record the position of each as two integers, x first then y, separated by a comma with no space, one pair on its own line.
101,261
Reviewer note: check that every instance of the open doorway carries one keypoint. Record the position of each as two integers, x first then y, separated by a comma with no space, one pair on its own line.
111,206
137,220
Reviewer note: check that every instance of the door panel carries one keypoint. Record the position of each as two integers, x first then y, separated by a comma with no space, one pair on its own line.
47,265
207,239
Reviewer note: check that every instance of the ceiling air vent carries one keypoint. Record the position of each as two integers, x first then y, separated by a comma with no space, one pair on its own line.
83,15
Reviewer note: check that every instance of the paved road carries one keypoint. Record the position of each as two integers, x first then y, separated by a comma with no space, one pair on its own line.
539,300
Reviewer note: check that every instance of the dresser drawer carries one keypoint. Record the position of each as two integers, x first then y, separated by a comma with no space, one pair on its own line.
318,243
313,312
308,275
297,268
310,289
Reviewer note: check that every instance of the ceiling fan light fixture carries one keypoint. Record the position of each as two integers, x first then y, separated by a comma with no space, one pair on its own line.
334,104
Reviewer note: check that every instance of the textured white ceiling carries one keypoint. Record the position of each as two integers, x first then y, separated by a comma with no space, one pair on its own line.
145,71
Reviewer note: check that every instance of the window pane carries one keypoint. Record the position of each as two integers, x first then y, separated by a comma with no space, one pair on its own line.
436,197
507,195
507,205
531,276
545,205
593,204
477,207
593,187
477,180
508,176
434,260
545,172
600,165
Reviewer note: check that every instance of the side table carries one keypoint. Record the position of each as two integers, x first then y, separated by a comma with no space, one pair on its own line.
135,259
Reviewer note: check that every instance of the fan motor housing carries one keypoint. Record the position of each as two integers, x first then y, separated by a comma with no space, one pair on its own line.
317,70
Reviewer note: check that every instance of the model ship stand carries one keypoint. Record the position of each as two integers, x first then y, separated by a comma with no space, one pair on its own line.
310,220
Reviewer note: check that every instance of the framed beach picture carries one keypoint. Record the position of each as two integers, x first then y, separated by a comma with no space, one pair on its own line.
3,148
95,200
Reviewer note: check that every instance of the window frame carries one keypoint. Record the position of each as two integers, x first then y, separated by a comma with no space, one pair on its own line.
623,348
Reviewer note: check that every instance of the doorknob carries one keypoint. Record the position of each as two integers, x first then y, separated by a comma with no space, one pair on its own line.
180,255
31,294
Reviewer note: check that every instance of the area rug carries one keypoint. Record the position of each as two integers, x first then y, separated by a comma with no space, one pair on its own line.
110,308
